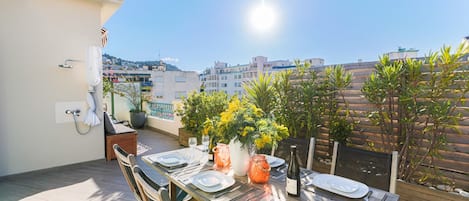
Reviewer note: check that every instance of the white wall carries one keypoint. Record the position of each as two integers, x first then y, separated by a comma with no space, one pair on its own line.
168,87
121,112
36,36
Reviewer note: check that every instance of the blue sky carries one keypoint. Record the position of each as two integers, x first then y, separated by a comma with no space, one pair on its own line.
198,32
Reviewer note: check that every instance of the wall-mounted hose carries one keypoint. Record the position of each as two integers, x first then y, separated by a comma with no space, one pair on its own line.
75,114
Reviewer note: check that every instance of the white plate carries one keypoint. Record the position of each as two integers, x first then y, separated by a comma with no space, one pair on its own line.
340,185
209,181
212,181
274,161
169,160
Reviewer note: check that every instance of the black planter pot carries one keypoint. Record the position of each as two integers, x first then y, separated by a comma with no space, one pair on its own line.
137,119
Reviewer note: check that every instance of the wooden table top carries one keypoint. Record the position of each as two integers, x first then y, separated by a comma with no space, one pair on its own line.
243,189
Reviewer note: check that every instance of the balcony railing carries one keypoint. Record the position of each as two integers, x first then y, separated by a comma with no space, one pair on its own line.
162,110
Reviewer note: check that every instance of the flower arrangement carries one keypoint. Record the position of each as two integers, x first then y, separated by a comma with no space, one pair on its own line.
246,123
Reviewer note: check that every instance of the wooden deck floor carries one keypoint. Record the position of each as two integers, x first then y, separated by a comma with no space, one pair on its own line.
95,180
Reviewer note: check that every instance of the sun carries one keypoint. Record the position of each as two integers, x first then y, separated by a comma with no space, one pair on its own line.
262,18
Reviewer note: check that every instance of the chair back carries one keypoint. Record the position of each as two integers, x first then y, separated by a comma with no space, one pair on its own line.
149,190
378,170
305,150
126,163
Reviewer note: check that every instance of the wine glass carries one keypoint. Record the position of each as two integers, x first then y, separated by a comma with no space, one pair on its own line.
205,142
192,144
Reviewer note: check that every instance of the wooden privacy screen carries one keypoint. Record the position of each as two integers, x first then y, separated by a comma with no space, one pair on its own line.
454,163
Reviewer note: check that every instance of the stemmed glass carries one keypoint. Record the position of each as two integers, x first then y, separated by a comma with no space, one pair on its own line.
205,142
192,144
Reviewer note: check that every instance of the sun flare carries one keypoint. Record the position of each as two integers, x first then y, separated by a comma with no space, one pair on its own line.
262,18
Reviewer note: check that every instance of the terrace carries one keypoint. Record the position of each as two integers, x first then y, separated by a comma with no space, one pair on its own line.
93,180
43,158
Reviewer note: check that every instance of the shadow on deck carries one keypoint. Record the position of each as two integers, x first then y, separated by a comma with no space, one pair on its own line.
94,180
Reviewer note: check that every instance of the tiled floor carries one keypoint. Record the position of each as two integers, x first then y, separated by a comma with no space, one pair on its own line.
95,180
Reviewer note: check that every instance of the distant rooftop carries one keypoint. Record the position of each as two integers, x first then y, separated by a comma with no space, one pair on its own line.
401,49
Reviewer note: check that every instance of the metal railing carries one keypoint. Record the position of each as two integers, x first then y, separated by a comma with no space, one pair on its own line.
162,110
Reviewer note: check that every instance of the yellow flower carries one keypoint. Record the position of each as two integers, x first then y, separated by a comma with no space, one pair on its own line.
245,122
263,140
262,123
266,138
259,143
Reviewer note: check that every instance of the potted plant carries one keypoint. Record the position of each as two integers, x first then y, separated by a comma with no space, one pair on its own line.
340,130
245,127
196,109
132,92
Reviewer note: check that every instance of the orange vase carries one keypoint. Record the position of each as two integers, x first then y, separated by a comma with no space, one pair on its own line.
221,155
259,169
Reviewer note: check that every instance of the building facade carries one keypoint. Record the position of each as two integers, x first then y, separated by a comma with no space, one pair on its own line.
403,53
164,86
230,79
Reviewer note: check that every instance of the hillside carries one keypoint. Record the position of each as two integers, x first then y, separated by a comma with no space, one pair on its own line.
116,61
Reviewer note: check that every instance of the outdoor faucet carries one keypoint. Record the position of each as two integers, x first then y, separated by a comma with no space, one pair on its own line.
73,112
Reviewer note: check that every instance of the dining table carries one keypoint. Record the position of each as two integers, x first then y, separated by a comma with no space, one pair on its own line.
196,163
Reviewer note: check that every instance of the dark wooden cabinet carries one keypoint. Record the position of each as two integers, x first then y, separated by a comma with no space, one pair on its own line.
127,141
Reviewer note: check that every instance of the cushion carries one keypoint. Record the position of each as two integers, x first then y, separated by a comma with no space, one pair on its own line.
108,125
120,128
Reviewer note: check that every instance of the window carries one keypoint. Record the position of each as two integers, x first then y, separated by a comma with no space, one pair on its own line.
224,84
159,94
159,79
179,94
180,79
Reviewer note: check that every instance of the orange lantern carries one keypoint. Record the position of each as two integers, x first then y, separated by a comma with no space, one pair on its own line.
259,169
221,155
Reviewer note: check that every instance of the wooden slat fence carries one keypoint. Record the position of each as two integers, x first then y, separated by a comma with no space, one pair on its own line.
454,163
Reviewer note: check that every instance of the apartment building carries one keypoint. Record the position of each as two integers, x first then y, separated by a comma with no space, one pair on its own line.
230,79
403,53
164,86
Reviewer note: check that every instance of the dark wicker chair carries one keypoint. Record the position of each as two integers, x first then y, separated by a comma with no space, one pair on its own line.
378,170
305,150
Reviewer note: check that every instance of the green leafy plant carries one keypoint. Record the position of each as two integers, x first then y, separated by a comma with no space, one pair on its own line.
132,92
298,93
308,100
200,106
107,86
336,80
416,102
340,130
261,93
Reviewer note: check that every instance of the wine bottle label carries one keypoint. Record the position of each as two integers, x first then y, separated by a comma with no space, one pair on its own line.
210,156
291,186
